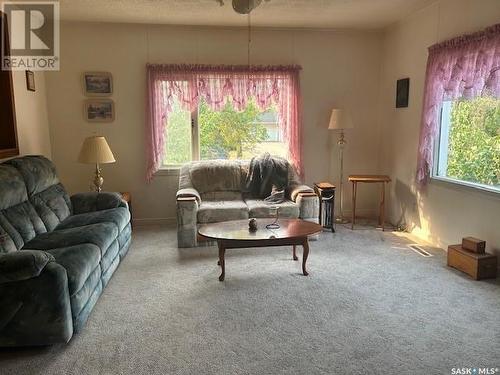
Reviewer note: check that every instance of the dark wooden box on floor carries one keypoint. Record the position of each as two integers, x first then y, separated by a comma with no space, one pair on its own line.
473,244
477,266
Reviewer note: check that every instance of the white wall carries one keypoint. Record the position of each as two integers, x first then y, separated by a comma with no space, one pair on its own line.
339,69
355,70
31,115
444,213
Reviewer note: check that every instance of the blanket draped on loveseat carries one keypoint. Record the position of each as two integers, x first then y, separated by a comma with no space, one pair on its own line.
267,178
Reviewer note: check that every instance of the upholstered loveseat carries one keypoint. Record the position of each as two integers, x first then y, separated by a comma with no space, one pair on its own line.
57,253
213,191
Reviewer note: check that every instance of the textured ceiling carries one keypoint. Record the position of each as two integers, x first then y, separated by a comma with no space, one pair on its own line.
358,14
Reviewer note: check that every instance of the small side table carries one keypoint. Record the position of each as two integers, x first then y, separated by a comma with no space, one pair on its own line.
127,198
326,194
368,178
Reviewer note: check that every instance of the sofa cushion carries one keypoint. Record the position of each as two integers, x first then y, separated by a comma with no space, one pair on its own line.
222,196
79,261
53,205
216,175
25,220
83,296
119,216
102,235
7,244
38,172
215,211
259,208
12,187
10,239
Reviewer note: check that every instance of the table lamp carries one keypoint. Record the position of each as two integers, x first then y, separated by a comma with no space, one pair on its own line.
339,121
95,150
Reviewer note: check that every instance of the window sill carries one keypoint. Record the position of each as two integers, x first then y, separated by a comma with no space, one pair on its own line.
168,171
458,184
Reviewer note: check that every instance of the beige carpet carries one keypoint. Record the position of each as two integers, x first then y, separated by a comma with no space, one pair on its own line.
369,306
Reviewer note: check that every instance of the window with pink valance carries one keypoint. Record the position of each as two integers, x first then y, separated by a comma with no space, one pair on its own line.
188,84
463,68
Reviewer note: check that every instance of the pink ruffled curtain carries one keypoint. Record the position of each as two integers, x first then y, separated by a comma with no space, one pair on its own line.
465,67
216,84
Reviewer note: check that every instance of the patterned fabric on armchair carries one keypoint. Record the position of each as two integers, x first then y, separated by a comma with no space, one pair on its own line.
213,191
57,253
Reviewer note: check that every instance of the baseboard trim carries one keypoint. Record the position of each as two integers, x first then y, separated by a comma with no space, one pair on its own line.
155,221
361,213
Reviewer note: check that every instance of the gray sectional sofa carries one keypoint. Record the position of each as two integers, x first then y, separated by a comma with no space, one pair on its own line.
57,252
214,191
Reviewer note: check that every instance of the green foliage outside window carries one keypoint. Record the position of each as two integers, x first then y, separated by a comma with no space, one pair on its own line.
178,134
474,141
224,134
228,133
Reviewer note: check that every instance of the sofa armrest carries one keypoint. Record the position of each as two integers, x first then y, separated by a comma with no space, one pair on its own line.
36,310
23,264
187,228
188,193
308,206
93,201
295,190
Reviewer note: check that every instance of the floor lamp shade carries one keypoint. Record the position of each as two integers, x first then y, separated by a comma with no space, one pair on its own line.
339,120
95,150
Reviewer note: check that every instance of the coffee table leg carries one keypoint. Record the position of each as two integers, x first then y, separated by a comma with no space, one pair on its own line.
222,262
295,253
305,245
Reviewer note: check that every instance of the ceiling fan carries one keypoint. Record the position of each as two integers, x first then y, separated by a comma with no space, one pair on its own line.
243,6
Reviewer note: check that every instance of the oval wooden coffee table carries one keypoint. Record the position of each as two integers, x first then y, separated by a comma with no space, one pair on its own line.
236,235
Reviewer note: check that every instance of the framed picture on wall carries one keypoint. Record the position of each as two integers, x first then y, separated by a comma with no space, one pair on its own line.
402,92
30,80
97,83
99,110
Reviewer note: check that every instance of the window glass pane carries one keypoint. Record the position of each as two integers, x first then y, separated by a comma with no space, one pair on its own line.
232,134
469,147
178,149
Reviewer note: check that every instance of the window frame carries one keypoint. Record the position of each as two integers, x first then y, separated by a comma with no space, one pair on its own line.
441,144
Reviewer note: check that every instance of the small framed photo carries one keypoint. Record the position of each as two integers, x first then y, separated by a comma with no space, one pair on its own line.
99,110
402,92
30,80
98,83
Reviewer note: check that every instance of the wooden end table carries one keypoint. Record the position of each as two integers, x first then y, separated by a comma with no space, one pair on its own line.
369,178
235,235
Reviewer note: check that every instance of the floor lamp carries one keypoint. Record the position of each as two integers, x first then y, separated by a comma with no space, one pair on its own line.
339,121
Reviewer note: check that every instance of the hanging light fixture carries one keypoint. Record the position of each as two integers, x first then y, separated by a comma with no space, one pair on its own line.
243,6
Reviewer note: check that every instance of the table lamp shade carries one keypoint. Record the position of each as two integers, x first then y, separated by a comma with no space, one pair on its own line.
339,120
95,150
